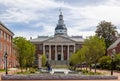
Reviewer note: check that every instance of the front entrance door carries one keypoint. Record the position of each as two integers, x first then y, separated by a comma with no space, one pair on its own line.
59,56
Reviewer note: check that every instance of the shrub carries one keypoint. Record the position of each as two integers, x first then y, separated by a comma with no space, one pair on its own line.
32,70
105,62
118,67
44,59
97,65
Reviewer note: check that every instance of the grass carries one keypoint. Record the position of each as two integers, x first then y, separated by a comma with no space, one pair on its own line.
25,72
58,66
30,71
2,70
85,72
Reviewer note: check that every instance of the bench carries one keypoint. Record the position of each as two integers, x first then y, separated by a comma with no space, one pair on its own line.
59,71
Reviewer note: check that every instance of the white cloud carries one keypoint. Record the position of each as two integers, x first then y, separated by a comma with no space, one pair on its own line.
76,17
26,10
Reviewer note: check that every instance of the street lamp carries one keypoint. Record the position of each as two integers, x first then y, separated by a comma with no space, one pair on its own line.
112,56
5,56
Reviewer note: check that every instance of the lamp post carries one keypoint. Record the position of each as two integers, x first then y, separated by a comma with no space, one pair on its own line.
112,56
112,65
5,56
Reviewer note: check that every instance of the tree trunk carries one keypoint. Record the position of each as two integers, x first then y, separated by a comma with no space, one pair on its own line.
81,66
95,67
86,68
90,67
21,69
74,67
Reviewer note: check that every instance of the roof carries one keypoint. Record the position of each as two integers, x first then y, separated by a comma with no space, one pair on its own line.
77,38
114,44
60,39
6,28
45,38
40,39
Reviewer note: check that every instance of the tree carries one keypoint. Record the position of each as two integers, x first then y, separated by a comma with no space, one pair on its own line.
24,52
95,48
107,31
44,60
117,61
77,58
117,58
87,56
30,51
105,62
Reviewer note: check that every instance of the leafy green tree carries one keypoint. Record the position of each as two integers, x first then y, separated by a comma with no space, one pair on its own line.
107,31
77,58
87,56
117,61
44,59
95,49
105,62
24,52
30,51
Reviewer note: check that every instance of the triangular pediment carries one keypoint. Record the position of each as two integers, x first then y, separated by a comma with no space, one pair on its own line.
59,39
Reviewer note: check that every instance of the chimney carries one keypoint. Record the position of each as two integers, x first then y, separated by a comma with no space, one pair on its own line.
30,38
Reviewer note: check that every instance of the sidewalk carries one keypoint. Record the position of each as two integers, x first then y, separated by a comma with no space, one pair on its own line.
108,72
102,71
11,71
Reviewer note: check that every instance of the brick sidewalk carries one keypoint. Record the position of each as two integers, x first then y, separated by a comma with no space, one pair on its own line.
103,71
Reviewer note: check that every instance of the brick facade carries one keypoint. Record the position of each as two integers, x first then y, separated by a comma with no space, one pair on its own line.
6,46
114,48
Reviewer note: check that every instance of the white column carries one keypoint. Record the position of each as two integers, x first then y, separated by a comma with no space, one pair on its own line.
49,52
55,52
68,53
62,52
43,49
74,49
39,61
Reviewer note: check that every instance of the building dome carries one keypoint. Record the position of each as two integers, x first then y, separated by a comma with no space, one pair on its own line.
61,28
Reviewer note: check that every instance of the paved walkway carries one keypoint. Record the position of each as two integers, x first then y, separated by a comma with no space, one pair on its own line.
108,72
102,71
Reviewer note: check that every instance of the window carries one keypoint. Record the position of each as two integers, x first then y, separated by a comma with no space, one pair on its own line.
0,33
46,48
4,47
40,47
7,37
59,47
10,49
10,39
71,47
53,47
64,48
47,55
0,45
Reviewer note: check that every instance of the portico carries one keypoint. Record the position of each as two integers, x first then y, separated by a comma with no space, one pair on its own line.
57,48
61,51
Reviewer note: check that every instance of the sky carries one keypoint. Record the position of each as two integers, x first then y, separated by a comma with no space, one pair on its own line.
32,18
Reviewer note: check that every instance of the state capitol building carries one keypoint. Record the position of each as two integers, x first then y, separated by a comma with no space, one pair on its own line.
58,48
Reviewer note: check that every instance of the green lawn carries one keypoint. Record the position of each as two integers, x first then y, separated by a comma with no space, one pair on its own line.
25,72
2,70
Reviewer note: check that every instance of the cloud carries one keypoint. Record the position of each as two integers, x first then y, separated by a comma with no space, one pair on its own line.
25,10
39,17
